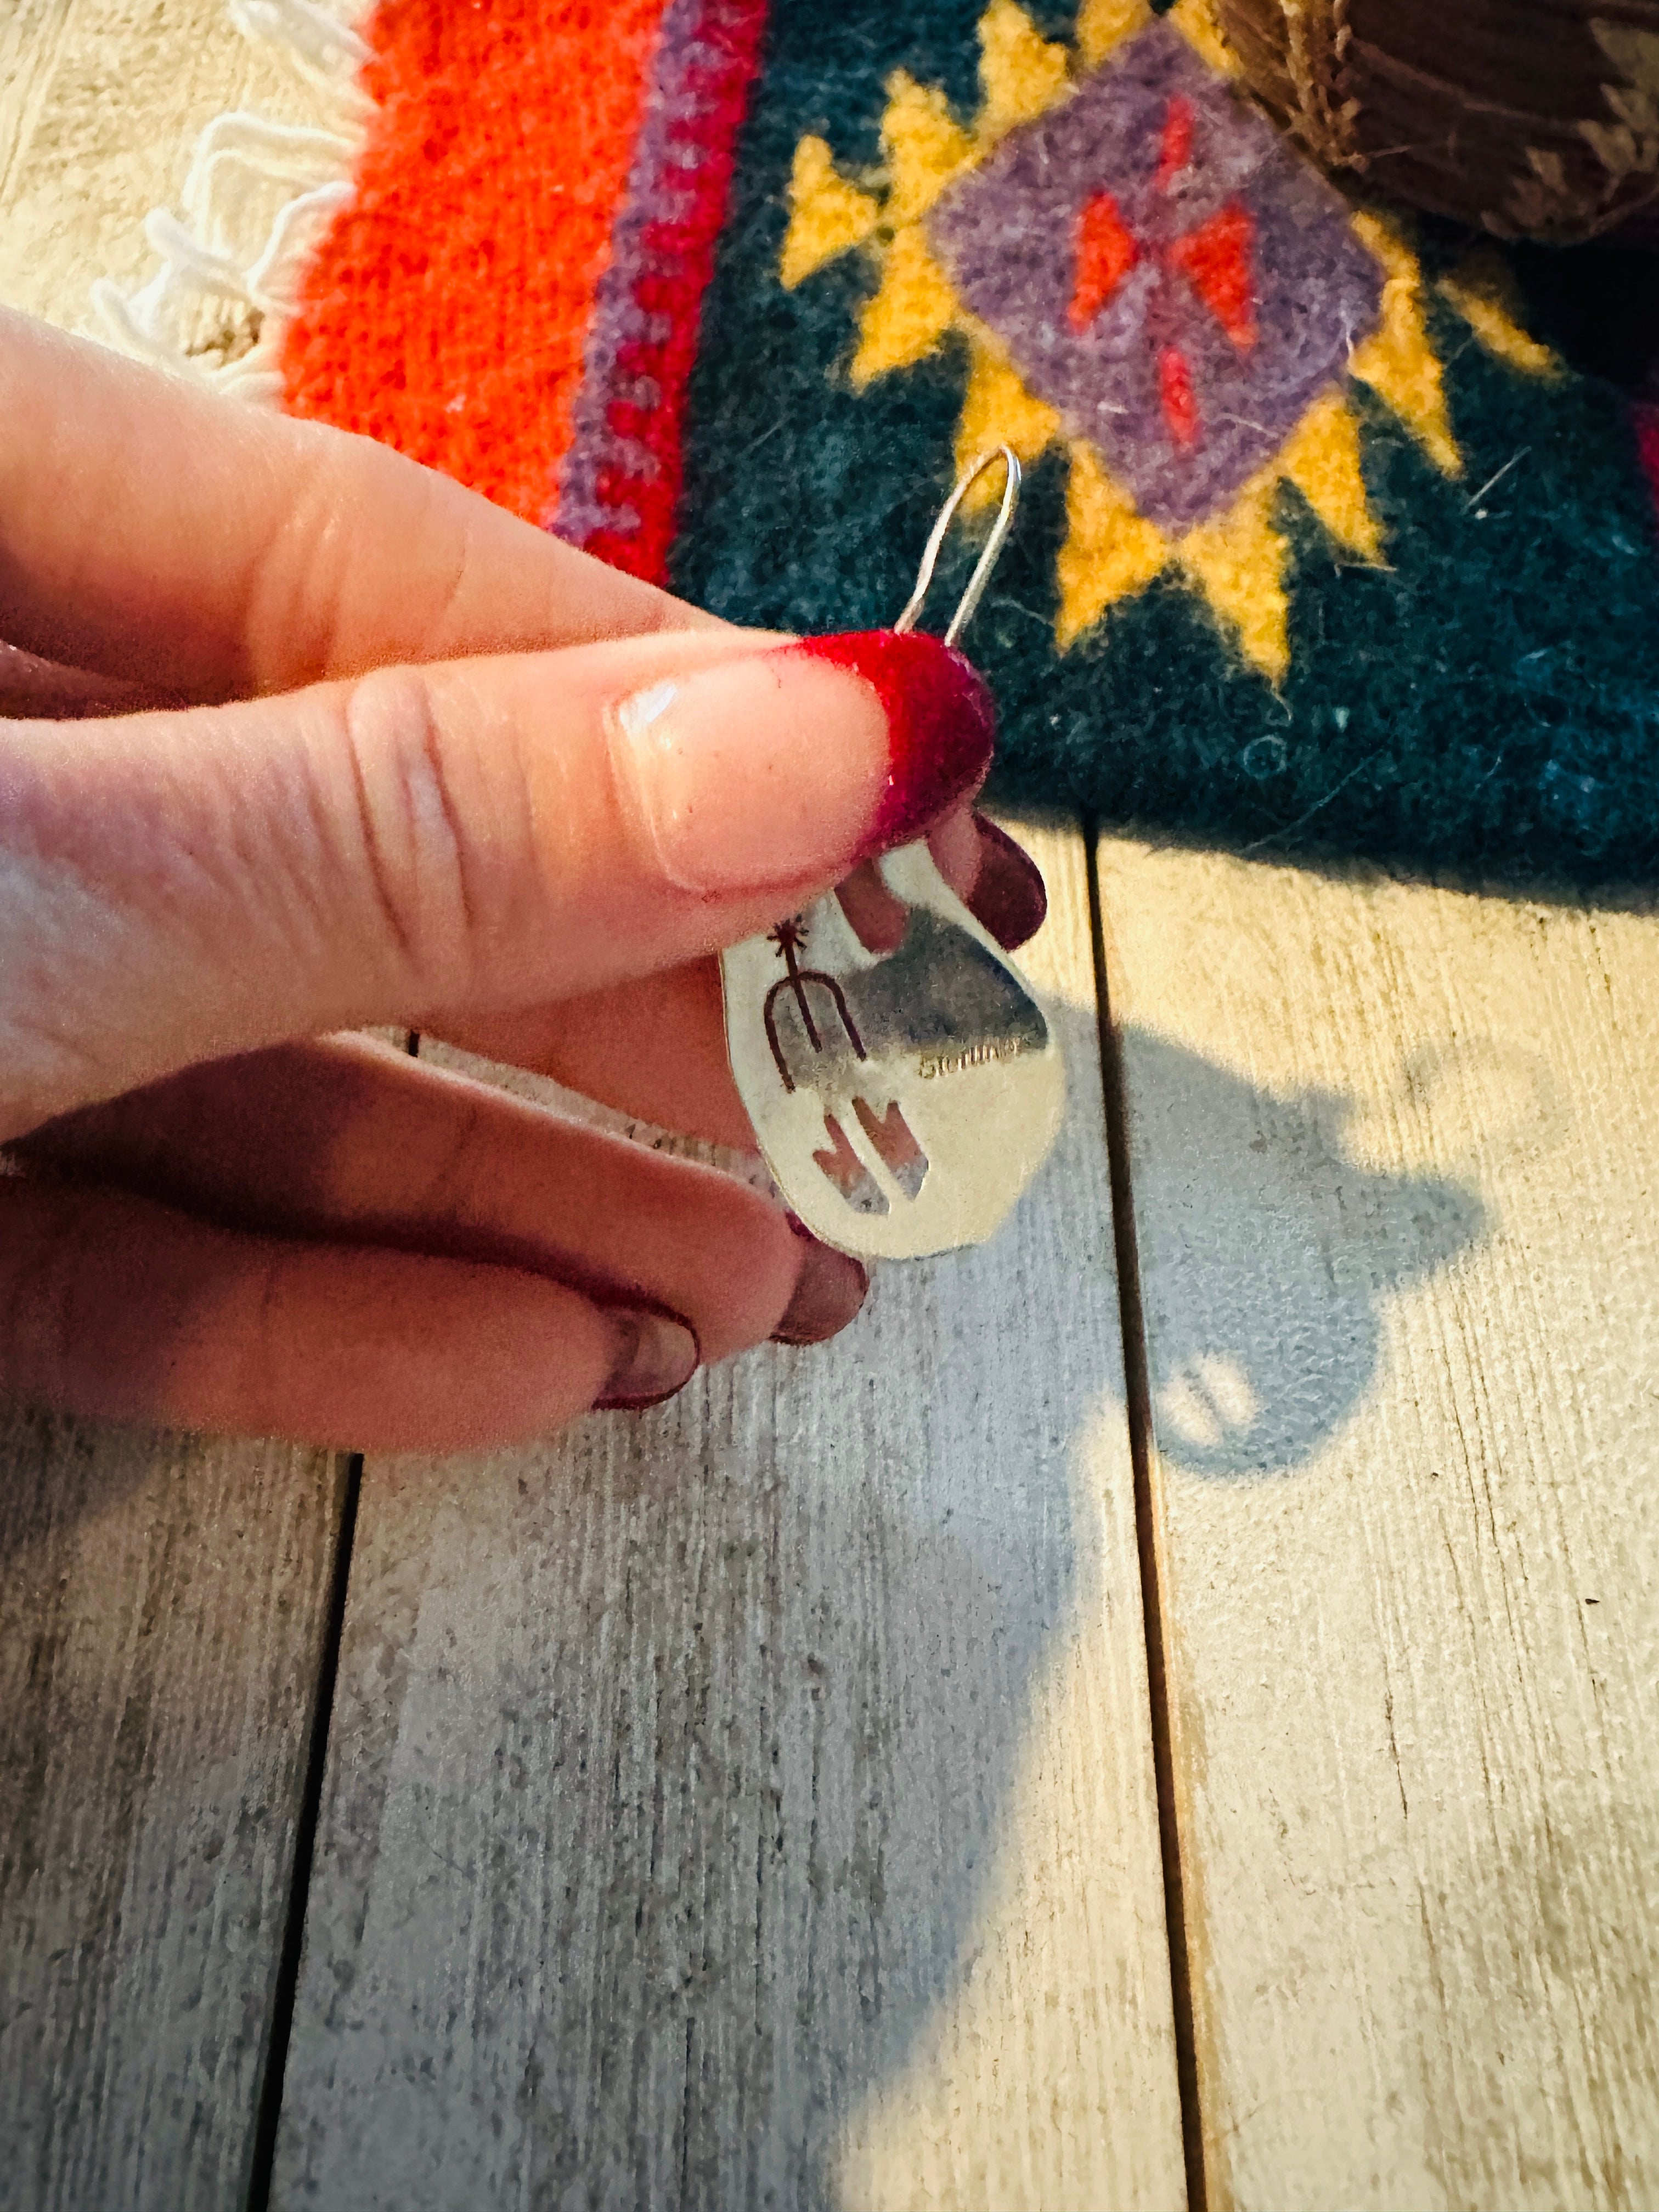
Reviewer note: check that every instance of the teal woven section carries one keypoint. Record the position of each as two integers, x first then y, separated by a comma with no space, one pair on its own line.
1486,701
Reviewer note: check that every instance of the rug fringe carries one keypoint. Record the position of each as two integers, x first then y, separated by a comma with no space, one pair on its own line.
217,306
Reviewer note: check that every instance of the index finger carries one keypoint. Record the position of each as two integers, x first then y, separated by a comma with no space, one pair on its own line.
206,549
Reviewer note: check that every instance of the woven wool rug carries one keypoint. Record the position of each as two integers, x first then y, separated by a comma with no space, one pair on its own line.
1333,542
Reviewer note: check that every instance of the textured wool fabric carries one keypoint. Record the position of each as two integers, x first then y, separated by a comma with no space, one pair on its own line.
440,315
1186,311
1330,541
620,489
1427,628
514,294
1647,444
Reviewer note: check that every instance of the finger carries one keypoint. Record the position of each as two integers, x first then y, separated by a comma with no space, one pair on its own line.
996,879
346,1138
29,686
1009,897
655,1047
484,833
204,547
122,1310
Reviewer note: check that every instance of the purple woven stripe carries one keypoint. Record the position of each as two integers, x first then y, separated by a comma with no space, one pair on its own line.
657,193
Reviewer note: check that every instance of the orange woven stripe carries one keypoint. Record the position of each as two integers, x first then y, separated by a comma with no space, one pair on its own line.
445,309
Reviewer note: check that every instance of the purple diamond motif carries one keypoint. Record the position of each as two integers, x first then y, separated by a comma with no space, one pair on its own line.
1165,272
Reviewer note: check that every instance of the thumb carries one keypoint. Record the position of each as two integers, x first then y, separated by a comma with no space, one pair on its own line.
474,835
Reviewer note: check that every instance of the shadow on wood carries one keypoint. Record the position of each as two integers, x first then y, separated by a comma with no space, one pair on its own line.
1278,1244
738,1805
674,1763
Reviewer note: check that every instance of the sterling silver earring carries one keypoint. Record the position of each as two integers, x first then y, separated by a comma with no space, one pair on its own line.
902,1099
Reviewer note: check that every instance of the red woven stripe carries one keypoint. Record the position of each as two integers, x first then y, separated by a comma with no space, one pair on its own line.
447,308
1647,444
681,257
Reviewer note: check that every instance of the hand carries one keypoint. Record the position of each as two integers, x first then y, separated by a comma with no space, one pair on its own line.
298,738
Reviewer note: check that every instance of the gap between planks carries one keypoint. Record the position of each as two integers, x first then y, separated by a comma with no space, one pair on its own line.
563,1668
1393,1148
1138,1406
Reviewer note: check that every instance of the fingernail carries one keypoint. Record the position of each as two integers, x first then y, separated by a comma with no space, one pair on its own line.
1010,898
941,723
829,1292
959,854
801,762
657,1356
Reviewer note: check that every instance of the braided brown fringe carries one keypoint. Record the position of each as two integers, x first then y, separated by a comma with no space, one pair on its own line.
1539,121
1318,37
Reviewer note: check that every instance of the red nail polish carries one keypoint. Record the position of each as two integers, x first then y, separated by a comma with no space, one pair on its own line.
941,725
1010,898
830,1290
657,1364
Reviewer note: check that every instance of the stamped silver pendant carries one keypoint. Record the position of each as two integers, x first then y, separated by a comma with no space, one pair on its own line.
903,1098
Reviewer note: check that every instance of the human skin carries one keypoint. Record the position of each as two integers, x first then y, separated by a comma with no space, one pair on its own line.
297,737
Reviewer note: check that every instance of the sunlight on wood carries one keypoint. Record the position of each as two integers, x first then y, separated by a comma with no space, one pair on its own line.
1394,1156
1050,2079
793,1746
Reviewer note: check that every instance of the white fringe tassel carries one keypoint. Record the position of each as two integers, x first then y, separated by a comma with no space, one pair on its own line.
217,306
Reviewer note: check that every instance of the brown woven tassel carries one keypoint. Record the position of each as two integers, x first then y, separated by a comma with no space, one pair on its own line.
1533,119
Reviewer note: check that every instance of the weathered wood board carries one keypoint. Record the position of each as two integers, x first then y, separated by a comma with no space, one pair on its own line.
752,1803
162,1604
1395,1152
161,1612
101,102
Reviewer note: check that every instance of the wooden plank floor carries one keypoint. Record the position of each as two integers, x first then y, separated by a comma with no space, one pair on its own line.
1393,1154
164,1604
755,1803
101,102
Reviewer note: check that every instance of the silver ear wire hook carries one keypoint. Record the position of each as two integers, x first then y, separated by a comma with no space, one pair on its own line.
993,544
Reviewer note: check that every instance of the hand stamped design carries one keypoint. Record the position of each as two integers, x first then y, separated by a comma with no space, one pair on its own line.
903,1098
938,1005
